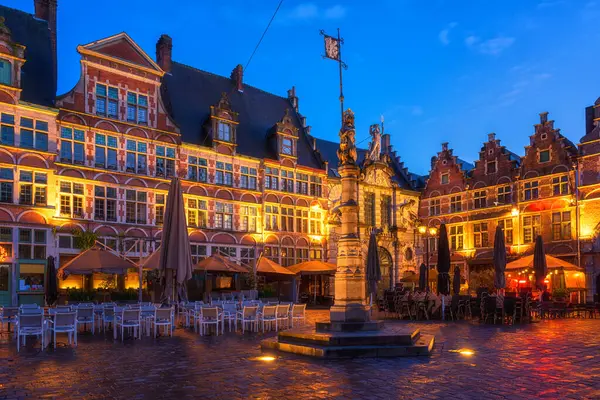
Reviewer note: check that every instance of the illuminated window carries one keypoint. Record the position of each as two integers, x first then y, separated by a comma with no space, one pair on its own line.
165,161
137,108
369,204
198,252
71,199
507,226
505,194
456,237
560,185
106,151
223,215
197,213
531,228
136,208
561,225
271,218
137,158
248,178
7,129
159,206
6,244
480,234
272,253
455,204
316,223
33,188
316,253
386,210
34,134
72,145
197,169
479,199
287,146
316,187
287,256
530,191
224,132
434,207
287,219
224,174
287,181
105,203
301,183
32,244
107,100
6,185
271,178
302,221
445,178
5,72
544,156
249,218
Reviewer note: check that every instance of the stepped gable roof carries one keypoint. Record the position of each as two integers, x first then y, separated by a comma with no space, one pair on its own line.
37,82
189,93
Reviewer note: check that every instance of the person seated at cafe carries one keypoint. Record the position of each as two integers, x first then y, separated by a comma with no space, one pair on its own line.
545,295
434,303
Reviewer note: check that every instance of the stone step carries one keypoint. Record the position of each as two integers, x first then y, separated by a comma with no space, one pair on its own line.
422,347
386,337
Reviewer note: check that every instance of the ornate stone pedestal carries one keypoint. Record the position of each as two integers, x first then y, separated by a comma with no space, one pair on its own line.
350,331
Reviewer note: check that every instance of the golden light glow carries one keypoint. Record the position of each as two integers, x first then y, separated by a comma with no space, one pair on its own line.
422,229
316,238
586,231
463,352
315,207
433,231
264,358
514,212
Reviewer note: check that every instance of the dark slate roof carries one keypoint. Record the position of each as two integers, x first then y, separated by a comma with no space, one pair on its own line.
513,157
328,151
464,165
38,82
189,93
419,181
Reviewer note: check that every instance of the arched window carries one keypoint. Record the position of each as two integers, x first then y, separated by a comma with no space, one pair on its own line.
408,254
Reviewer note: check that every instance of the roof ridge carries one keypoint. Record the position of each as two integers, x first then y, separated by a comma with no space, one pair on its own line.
224,77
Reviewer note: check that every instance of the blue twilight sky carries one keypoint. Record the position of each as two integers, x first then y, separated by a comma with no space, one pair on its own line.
438,70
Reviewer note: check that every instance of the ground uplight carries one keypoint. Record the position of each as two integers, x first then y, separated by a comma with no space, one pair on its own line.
464,352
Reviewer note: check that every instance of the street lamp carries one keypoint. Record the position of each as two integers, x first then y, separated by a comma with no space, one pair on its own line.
431,232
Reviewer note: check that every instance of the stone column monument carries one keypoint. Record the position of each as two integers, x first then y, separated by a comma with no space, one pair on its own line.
350,285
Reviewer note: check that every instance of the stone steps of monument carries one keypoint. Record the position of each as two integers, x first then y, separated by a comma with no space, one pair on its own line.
386,337
423,346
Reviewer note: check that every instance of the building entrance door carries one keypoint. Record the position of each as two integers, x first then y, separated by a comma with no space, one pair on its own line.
5,285
387,269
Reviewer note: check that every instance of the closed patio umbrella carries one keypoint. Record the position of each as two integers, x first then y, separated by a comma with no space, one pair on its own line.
443,262
422,277
51,285
456,280
373,268
499,259
539,263
175,261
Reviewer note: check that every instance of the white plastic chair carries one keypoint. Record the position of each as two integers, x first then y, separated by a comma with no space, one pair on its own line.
64,322
269,315
107,317
229,315
85,316
30,325
210,316
298,313
249,315
283,316
163,317
130,319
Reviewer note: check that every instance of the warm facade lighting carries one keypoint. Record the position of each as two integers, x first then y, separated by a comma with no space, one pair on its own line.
433,231
514,212
422,229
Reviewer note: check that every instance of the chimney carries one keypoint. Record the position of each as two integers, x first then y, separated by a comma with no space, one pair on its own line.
293,98
491,137
303,121
164,52
314,143
46,10
385,143
445,146
237,75
544,117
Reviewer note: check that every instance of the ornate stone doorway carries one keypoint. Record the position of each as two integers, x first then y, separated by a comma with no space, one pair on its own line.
387,269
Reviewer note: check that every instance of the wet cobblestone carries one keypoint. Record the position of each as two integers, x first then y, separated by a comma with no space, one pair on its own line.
549,359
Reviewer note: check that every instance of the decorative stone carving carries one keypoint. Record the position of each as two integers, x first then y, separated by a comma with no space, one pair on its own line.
347,150
377,177
375,144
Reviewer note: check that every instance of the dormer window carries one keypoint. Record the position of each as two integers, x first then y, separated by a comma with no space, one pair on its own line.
287,147
5,72
445,179
224,132
137,108
107,100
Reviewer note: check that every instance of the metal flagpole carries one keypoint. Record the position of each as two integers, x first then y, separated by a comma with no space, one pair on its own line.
333,51
340,64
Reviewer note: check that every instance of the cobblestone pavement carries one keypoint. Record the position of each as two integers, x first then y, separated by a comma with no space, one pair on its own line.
549,359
